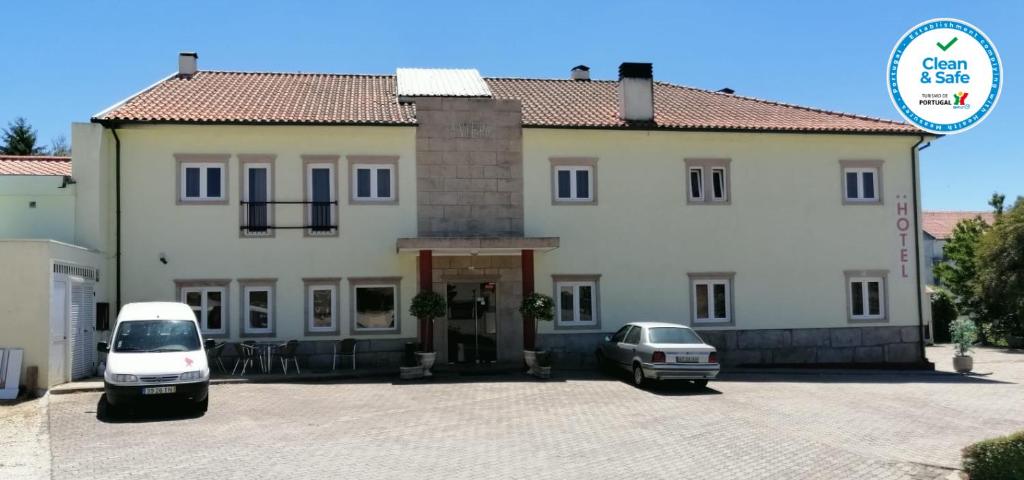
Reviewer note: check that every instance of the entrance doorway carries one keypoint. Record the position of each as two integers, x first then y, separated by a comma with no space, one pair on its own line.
472,322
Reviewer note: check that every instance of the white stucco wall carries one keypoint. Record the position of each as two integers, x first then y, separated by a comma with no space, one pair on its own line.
202,241
786,234
53,215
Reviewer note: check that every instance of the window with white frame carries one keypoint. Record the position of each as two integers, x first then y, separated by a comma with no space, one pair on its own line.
321,308
375,307
866,297
576,303
257,309
862,181
321,197
697,184
201,182
711,299
207,304
574,183
256,193
373,182
707,180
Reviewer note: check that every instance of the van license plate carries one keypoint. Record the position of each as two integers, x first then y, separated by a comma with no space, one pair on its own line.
687,359
157,390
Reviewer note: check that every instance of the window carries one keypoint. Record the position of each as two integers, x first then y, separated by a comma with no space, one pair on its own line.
707,181
257,308
711,298
372,182
322,306
256,193
633,337
697,184
576,301
672,335
865,294
573,180
202,182
621,334
375,305
321,195
207,303
862,182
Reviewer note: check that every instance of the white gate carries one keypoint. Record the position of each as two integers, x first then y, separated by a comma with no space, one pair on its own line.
58,330
83,322
72,322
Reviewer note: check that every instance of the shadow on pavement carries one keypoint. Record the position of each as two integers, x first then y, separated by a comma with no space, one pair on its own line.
854,376
154,411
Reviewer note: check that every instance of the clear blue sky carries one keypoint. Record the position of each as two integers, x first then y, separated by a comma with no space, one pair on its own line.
64,62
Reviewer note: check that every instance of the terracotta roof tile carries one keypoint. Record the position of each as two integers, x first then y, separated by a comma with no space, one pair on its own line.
238,97
940,225
34,165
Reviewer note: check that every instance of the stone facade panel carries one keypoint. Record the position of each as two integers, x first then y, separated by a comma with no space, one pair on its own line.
880,336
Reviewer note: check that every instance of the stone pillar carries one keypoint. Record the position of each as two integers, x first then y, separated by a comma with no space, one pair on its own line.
529,325
426,328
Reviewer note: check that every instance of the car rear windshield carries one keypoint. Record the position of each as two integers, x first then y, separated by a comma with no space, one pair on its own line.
156,336
672,335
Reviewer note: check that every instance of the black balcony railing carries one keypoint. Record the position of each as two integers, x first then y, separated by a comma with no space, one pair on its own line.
256,215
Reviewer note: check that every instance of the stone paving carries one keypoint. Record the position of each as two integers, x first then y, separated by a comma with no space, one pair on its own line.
751,425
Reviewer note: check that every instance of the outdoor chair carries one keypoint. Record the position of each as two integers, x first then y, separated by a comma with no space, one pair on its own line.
344,347
286,353
246,353
214,351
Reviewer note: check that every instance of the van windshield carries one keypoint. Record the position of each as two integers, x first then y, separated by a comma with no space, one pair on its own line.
673,335
156,336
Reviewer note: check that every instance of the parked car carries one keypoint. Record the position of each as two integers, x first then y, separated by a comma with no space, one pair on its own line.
659,351
156,352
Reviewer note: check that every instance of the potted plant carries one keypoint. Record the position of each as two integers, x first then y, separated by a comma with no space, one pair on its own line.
426,306
537,307
963,333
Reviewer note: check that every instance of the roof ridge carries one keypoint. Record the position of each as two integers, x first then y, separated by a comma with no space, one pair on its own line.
552,79
786,104
41,158
329,74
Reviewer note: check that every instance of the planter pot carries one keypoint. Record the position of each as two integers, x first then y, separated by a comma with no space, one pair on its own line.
409,373
963,364
530,356
1015,341
426,361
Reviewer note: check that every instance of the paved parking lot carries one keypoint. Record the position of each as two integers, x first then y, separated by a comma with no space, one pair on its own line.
833,425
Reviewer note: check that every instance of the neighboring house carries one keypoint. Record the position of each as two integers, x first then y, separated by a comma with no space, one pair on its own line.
938,229
49,291
36,200
314,206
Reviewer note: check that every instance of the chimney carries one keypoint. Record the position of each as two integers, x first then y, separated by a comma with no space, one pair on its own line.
187,64
580,72
636,92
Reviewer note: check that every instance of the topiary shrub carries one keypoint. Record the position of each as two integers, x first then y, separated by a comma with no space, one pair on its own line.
996,459
428,305
944,311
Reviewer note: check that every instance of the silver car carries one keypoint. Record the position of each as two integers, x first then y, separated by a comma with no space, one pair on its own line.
659,351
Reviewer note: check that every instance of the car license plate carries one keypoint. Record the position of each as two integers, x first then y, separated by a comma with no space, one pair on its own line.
157,390
687,359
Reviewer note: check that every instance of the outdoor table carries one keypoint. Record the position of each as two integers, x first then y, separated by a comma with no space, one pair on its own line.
266,351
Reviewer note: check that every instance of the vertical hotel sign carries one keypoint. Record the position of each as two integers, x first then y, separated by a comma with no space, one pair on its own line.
903,227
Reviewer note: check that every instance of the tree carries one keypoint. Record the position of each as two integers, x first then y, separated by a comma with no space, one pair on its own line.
1000,272
996,202
20,139
943,313
959,272
59,146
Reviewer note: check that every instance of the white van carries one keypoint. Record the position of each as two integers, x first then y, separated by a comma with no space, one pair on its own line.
156,352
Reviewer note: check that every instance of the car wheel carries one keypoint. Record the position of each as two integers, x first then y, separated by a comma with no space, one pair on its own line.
202,406
700,383
638,376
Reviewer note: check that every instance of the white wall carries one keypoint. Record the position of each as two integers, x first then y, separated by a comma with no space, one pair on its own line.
202,241
786,235
53,215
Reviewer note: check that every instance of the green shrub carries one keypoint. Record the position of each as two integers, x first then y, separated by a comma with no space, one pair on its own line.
996,458
538,306
428,305
964,333
944,311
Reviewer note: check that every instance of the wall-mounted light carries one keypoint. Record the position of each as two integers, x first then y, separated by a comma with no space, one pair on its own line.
32,204
163,258
67,181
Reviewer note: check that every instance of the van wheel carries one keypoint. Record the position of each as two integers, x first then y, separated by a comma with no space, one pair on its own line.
638,376
700,383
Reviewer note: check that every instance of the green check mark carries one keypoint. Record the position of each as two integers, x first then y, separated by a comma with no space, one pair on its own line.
946,46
